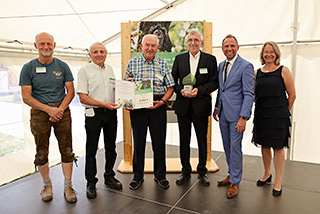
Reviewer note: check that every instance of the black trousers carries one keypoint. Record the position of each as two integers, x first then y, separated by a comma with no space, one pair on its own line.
156,120
107,121
201,128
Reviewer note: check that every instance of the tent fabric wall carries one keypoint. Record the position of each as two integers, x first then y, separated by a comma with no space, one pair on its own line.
15,123
252,22
255,22
306,108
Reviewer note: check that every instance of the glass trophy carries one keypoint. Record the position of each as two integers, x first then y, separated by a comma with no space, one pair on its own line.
188,82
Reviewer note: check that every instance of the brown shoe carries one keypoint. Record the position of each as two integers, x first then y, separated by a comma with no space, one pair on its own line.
233,191
46,193
70,195
224,181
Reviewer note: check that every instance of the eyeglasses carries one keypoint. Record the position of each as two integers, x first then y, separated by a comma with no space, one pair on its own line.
193,40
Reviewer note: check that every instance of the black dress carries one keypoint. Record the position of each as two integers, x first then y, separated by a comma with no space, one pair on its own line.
271,116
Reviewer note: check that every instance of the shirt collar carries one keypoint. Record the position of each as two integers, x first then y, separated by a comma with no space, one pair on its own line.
233,60
196,56
146,61
97,66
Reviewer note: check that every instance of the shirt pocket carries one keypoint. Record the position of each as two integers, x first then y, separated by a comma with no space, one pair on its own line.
59,78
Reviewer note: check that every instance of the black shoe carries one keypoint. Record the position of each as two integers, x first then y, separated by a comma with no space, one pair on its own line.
204,180
134,184
182,179
163,183
112,183
261,183
276,193
91,191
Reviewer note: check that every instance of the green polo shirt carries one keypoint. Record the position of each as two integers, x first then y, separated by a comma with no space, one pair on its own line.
47,80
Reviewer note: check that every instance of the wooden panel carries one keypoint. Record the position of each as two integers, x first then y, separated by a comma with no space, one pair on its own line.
173,165
125,57
207,37
207,47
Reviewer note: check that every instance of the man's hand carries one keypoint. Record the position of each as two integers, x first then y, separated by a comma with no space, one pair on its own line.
214,115
156,104
129,109
111,106
194,93
182,92
53,120
55,114
129,79
190,94
241,125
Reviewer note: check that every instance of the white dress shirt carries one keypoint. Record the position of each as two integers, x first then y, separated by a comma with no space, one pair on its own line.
98,83
194,61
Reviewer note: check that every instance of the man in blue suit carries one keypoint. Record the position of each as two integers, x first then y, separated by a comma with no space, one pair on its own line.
233,107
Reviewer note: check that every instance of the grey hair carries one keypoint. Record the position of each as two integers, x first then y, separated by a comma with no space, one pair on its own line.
94,44
195,32
276,50
150,35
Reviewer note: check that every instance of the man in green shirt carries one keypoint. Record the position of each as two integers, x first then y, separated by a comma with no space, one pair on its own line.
43,82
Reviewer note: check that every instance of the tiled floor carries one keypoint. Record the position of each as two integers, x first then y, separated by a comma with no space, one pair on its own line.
301,191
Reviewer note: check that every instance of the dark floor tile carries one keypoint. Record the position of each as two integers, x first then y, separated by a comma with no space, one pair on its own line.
251,199
301,192
178,210
302,175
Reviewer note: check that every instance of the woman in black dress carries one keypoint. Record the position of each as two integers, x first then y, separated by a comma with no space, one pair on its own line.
275,95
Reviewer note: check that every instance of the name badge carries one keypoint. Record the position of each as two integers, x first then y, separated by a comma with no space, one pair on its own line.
41,70
112,80
159,76
203,70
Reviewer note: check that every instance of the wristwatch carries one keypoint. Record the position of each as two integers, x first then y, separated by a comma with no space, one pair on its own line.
164,102
245,118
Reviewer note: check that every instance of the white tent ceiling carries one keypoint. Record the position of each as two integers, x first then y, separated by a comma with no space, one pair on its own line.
74,23
79,23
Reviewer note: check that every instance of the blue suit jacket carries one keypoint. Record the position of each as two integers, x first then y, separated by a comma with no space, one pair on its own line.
237,94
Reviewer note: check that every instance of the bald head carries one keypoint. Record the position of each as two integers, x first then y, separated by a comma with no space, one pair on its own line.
43,34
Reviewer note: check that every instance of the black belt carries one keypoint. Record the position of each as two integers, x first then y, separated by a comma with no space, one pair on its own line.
100,109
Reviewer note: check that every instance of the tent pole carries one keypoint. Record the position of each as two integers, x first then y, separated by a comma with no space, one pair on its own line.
295,27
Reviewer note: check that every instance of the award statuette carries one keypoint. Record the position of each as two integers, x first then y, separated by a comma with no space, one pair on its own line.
188,82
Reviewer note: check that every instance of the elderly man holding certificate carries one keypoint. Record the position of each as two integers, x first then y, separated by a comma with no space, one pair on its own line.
149,67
